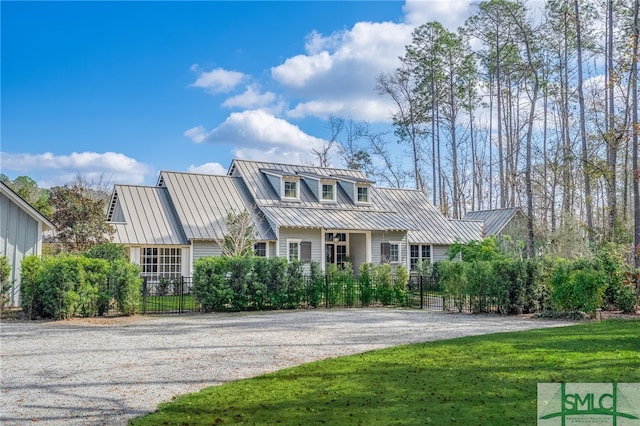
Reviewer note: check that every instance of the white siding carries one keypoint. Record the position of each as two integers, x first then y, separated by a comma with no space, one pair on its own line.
205,249
386,237
440,253
21,236
313,235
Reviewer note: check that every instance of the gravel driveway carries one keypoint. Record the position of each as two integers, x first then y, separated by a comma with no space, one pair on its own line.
104,371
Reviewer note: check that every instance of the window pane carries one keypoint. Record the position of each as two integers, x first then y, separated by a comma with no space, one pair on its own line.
290,189
293,251
426,252
394,253
363,194
261,249
327,192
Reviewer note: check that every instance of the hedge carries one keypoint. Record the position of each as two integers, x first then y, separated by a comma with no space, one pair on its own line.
77,286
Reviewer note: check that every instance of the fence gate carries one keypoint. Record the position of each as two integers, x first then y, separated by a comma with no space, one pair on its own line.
167,295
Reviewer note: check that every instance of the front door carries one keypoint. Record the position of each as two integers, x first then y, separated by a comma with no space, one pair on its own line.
335,248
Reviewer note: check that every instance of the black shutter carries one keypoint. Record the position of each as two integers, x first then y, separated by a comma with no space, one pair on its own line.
385,252
305,251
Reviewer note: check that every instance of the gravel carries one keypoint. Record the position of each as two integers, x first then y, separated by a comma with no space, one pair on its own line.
104,371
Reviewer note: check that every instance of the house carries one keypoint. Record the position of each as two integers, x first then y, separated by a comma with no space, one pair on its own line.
21,235
307,213
507,225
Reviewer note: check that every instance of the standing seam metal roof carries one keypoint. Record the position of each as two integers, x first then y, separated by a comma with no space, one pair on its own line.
150,218
494,220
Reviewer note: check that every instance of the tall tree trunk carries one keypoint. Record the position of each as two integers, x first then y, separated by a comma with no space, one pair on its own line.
612,148
583,128
635,126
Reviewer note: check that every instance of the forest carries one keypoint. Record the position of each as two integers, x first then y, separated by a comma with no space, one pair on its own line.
526,105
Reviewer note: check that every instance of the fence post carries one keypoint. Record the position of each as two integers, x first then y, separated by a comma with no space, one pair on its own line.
326,290
421,292
181,302
144,295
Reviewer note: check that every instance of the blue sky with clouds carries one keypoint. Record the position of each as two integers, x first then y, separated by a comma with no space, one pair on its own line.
123,90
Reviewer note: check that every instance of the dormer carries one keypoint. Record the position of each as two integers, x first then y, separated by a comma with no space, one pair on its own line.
324,188
286,185
358,189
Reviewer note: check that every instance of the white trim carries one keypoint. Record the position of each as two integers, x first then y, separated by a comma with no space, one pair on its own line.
399,244
333,184
355,193
290,179
293,241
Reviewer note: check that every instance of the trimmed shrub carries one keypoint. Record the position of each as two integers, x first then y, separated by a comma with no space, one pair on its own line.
5,282
453,279
316,284
400,284
366,286
107,251
626,299
210,284
126,286
384,284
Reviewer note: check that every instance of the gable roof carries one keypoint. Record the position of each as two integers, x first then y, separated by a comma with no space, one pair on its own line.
202,203
26,207
428,225
144,215
494,220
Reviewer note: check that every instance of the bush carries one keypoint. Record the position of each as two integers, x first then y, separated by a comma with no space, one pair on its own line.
366,285
453,278
210,285
626,299
316,284
481,283
578,286
107,251
400,283
384,284
5,282
126,286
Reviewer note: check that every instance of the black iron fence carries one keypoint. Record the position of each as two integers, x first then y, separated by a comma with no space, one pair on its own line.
175,295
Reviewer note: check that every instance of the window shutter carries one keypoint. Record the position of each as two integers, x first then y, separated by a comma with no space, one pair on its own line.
305,251
385,252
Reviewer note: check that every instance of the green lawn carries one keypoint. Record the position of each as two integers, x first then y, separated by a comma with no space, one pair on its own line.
169,303
482,380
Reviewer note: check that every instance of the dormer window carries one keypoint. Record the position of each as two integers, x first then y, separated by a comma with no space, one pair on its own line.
291,188
362,195
328,192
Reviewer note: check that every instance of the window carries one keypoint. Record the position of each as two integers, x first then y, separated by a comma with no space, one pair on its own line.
260,249
293,250
328,192
291,189
363,194
419,253
389,252
161,260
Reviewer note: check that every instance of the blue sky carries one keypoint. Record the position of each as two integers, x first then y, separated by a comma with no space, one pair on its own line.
123,90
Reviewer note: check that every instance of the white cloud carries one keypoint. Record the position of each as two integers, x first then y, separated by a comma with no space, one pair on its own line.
274,154
208,169
256,129
218,80
52,169
251,98
450,13
338,73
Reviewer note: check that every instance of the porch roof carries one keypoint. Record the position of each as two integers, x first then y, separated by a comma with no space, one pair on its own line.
361,220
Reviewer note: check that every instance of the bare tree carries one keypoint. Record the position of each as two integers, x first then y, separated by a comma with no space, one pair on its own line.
241,234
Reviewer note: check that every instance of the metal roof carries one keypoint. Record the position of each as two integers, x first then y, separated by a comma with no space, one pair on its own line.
428,224
301,217
263,193
494,220
467,230
148,216
202,203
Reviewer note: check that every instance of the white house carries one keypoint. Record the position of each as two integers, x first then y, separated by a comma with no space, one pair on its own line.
308,213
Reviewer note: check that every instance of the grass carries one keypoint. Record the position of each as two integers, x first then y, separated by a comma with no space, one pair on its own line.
169,303
490,379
